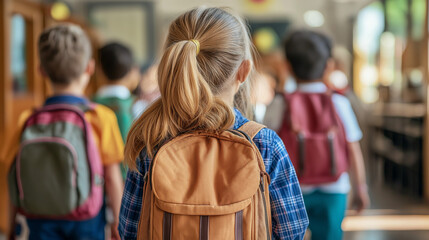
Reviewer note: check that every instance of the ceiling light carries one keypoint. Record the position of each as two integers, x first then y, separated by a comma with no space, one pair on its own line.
314,18
60,11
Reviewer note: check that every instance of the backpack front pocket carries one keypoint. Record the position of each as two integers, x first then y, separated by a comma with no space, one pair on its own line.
46,176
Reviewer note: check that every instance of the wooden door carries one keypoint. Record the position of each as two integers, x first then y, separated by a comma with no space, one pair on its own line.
425,62
30,93
21,85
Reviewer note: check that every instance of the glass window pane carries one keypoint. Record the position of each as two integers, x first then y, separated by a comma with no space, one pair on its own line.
418,14
18,54
369,27
396,11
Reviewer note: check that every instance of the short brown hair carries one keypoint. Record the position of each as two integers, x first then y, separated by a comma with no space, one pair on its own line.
64,52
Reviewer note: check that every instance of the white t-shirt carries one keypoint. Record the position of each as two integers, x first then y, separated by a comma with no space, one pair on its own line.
123,92
274,118
118,91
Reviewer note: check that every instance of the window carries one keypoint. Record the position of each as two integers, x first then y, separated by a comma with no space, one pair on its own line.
18,52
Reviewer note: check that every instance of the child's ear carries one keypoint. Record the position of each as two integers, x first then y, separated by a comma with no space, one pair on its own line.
330,66
42,72
134,78
244,71
289,68
90,68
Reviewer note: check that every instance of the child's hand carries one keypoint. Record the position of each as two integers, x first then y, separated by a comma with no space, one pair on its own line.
360,199
114,231
11,236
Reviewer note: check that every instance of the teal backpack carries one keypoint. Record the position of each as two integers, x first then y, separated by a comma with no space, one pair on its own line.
123,110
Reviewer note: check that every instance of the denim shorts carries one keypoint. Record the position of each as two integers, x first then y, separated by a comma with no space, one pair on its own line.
92,229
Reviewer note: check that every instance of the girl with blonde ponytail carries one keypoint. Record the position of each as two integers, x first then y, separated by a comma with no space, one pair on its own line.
202,79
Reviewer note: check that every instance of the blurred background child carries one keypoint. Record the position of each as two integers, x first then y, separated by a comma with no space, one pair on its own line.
321,132
147,90
117,64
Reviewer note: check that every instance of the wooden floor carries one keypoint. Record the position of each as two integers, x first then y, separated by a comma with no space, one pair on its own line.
393,215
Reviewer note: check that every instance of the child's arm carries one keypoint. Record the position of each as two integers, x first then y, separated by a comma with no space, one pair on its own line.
360,199
12,221
289,216
114,189
353,132
10,150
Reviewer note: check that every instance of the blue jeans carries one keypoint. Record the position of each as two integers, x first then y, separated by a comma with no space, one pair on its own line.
326,213
92,229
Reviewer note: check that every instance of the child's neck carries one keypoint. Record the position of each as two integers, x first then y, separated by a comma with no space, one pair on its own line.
300,81
67,90
121,82
227,97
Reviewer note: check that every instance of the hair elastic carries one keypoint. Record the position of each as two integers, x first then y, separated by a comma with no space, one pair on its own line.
197,44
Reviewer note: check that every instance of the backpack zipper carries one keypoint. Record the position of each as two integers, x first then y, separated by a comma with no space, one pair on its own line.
262,188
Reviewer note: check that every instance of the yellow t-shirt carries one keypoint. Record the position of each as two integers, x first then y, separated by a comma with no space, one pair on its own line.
107,138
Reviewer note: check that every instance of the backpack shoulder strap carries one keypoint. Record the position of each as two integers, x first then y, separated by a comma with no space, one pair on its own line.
251,128
90,106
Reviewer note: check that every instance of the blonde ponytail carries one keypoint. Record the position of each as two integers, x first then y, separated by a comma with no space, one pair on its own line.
204,48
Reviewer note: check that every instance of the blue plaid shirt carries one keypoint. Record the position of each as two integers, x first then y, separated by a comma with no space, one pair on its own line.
289,217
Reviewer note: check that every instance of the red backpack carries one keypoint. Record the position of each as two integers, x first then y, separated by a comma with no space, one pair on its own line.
314,137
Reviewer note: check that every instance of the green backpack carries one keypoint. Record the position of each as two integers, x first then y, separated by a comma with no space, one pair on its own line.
123,110
57,172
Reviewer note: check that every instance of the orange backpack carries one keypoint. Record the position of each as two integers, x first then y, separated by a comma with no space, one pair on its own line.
207,186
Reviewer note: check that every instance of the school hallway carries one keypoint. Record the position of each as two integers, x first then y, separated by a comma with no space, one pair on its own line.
373,70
